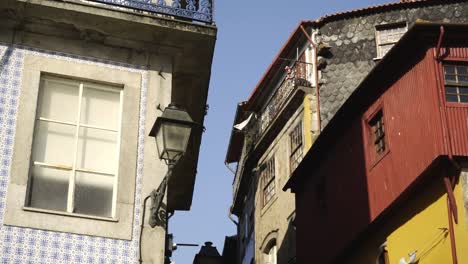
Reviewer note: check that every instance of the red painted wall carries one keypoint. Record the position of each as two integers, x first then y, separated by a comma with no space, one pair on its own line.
355,190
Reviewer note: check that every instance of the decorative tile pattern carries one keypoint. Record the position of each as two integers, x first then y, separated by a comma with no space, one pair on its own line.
25,245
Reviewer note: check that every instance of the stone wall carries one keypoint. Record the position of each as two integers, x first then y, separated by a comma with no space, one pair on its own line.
353,48
272,221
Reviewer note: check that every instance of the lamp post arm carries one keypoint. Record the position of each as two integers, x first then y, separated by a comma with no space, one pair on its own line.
156,200
157,196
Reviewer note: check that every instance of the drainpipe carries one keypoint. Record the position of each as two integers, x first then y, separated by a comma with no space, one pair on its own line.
439,42
449,184
229,211
317,91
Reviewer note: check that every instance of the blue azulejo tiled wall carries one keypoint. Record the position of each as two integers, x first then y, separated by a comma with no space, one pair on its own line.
24,245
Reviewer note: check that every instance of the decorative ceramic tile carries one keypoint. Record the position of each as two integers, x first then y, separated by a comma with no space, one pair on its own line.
25,245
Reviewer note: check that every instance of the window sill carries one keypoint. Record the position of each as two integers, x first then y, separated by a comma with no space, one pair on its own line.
456,104
379,158
45,211
377,58
268,205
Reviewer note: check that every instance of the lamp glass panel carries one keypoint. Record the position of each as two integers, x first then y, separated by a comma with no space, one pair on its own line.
160,142
176,137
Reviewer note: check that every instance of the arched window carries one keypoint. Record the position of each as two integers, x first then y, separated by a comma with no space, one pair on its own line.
270,256
269,249
382,257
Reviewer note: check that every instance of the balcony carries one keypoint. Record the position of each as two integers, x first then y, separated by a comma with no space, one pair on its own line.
284,102
295,76
194,10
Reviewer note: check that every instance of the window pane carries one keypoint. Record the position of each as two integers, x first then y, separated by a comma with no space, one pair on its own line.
49,188
451,89
462,70
385,48
100,107
93,194
463,90
463,79
463,98
58,100
449,69
451,98
97,150
53,143
450,78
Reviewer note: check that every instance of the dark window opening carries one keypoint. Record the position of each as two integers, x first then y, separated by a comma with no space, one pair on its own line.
296,146
267,176
378,133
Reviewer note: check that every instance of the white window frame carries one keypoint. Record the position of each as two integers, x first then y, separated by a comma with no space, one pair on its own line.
17,214
73,169
380,28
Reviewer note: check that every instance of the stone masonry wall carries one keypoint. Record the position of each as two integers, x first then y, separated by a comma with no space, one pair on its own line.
353,48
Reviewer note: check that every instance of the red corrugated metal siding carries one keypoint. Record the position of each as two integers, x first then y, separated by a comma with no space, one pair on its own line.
356,192
457,114
454,53
413,132
457,118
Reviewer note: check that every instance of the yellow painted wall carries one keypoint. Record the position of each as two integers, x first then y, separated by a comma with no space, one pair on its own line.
307,123
426,230
422,225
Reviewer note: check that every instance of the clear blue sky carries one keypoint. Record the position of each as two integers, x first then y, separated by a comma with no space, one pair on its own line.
250,34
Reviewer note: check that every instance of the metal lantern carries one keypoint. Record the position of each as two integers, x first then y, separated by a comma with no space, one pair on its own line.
172,132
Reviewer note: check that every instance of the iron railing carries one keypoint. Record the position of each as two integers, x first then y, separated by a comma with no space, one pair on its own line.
296,76
196,10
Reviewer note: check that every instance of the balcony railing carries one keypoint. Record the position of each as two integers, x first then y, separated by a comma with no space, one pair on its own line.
196,10
296,76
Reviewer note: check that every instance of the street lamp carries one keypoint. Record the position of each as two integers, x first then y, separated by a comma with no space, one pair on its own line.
172,133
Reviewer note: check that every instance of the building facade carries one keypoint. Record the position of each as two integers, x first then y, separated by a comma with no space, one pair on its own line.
332,55
272,132
399,194
81,85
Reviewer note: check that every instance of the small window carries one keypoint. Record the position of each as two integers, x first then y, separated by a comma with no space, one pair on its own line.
267,176
378,133
296,146
75,149
387,36
456,83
